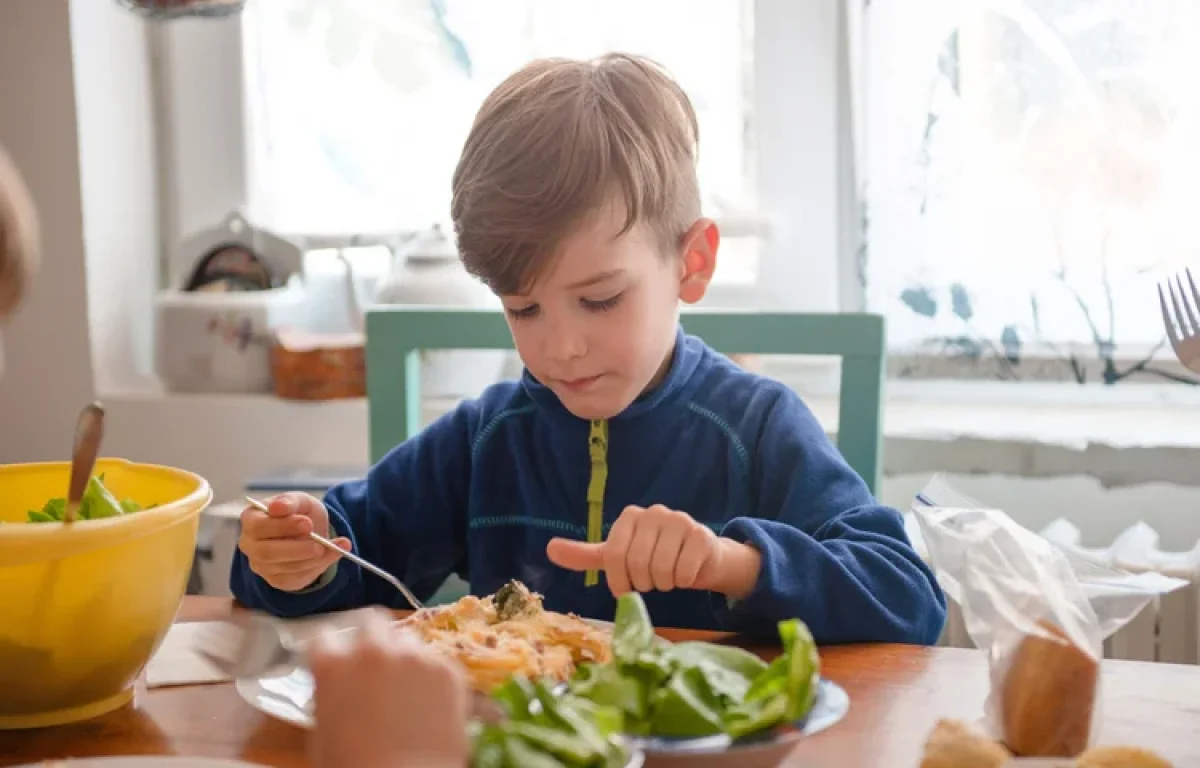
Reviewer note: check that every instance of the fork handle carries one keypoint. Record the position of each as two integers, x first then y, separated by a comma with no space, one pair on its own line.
369,566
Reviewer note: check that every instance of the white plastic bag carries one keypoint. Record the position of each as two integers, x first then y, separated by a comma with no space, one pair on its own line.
1025,601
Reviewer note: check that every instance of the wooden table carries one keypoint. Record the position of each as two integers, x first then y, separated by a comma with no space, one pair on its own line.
897,693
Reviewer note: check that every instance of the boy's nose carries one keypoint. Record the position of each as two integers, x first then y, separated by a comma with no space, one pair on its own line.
563,344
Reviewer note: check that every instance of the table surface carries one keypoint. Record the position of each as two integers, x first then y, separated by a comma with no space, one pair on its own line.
897,693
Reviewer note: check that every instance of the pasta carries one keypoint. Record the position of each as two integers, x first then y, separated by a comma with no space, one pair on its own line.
507,634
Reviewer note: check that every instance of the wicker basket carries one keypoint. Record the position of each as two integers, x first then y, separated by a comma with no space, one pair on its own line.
317,366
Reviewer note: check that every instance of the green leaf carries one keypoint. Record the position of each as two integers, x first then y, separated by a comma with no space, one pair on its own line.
604,684
728,671
633,634
99,503
686,708
40,517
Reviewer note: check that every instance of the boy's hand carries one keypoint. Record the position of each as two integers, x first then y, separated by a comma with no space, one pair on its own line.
383,700
659,548
277,545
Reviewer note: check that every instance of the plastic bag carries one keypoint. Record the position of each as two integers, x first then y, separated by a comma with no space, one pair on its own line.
1040,610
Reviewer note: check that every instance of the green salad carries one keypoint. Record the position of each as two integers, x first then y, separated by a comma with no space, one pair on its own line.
651,688
97,502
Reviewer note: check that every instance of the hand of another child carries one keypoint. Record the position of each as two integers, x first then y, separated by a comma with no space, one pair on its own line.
277,544
659,548
384,700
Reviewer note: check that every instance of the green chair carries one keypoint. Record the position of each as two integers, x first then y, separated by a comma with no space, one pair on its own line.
396,335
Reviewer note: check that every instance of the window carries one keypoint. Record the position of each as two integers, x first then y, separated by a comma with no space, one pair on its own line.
1033,168
358,109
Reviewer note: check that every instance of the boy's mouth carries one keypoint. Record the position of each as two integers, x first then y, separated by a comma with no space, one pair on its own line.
580,385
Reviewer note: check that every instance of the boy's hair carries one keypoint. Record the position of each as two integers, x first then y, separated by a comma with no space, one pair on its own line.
555,142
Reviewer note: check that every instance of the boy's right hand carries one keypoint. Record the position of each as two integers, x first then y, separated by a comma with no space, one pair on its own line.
277,544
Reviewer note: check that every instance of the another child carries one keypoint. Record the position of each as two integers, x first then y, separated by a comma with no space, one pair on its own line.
627,446
385,701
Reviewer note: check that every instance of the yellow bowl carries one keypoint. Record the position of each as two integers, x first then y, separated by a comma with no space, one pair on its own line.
84,606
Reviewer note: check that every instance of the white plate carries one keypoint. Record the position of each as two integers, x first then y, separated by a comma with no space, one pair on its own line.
141,762
288,697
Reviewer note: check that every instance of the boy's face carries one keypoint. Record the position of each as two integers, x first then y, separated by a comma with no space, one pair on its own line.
598,327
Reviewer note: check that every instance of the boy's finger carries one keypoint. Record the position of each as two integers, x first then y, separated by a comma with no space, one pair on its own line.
257,525
282,506
575,555
615,548
285,551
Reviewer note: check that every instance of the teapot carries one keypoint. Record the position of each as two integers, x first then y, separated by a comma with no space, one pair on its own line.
426,271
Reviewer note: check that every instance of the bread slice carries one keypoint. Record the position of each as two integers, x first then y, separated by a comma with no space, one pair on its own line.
1048,695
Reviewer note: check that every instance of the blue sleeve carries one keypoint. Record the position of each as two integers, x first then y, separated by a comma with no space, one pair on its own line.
408,516
831,554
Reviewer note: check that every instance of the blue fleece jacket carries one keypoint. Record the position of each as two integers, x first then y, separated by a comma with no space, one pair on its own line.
482,490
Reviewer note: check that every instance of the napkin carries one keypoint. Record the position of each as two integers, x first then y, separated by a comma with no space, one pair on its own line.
178,661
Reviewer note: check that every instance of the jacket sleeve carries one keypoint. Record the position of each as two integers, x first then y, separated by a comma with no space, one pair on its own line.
831,554
408,516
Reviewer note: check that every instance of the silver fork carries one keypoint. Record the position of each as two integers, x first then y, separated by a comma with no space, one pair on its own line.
324,542
1183,325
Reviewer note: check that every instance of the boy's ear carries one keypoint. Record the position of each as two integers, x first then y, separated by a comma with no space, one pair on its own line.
699,245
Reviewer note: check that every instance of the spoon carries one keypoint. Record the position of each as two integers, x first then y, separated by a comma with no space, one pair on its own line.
324,542
89,430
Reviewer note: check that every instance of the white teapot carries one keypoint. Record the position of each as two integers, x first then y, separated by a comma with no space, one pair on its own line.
426,271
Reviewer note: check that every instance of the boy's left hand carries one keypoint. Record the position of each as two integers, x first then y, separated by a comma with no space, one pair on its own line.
659,548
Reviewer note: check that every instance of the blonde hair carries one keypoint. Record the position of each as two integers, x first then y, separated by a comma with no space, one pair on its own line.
555,142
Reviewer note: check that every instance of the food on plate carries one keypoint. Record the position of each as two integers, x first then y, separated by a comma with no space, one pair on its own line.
650,687
954,744
693,689
1120,757
545,730
509,634
1048,695
97,502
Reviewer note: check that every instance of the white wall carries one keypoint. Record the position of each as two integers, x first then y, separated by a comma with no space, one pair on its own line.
48,368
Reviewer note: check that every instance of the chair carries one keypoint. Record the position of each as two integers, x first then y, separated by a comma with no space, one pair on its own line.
397,334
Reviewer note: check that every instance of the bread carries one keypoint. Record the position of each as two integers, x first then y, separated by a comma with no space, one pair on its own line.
1047,696
1120,757
953,744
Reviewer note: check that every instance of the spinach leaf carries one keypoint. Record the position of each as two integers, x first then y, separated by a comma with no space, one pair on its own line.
97,503
693,689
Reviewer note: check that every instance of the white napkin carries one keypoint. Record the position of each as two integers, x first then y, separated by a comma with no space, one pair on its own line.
177,661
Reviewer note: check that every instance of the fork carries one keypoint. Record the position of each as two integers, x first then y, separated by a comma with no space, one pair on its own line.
1183,326
361,563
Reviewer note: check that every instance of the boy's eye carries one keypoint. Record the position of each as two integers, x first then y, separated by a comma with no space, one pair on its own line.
522,313
602,305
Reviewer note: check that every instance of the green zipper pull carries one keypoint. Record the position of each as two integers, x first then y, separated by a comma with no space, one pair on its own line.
598,451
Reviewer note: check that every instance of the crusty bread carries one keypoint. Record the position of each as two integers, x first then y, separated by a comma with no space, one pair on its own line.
1120,757
1047,697
953,744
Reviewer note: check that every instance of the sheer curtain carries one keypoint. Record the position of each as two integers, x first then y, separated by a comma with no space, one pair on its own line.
1031,168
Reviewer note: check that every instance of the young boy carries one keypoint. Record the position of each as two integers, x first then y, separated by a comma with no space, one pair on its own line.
627,447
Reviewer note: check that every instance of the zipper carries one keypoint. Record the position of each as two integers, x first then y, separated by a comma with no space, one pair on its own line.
598,452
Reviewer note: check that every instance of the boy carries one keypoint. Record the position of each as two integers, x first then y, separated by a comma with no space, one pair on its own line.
627,447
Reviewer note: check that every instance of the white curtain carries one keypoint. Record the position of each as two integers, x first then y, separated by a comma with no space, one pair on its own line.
1030,168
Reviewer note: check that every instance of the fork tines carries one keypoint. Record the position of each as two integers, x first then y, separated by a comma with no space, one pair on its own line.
1185,321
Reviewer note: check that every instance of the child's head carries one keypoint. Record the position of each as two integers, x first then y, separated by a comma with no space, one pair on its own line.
576,200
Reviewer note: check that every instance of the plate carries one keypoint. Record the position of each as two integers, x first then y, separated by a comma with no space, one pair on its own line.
141,762
765,749
288,696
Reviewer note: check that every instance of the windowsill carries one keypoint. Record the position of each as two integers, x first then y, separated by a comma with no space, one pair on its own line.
1123,435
